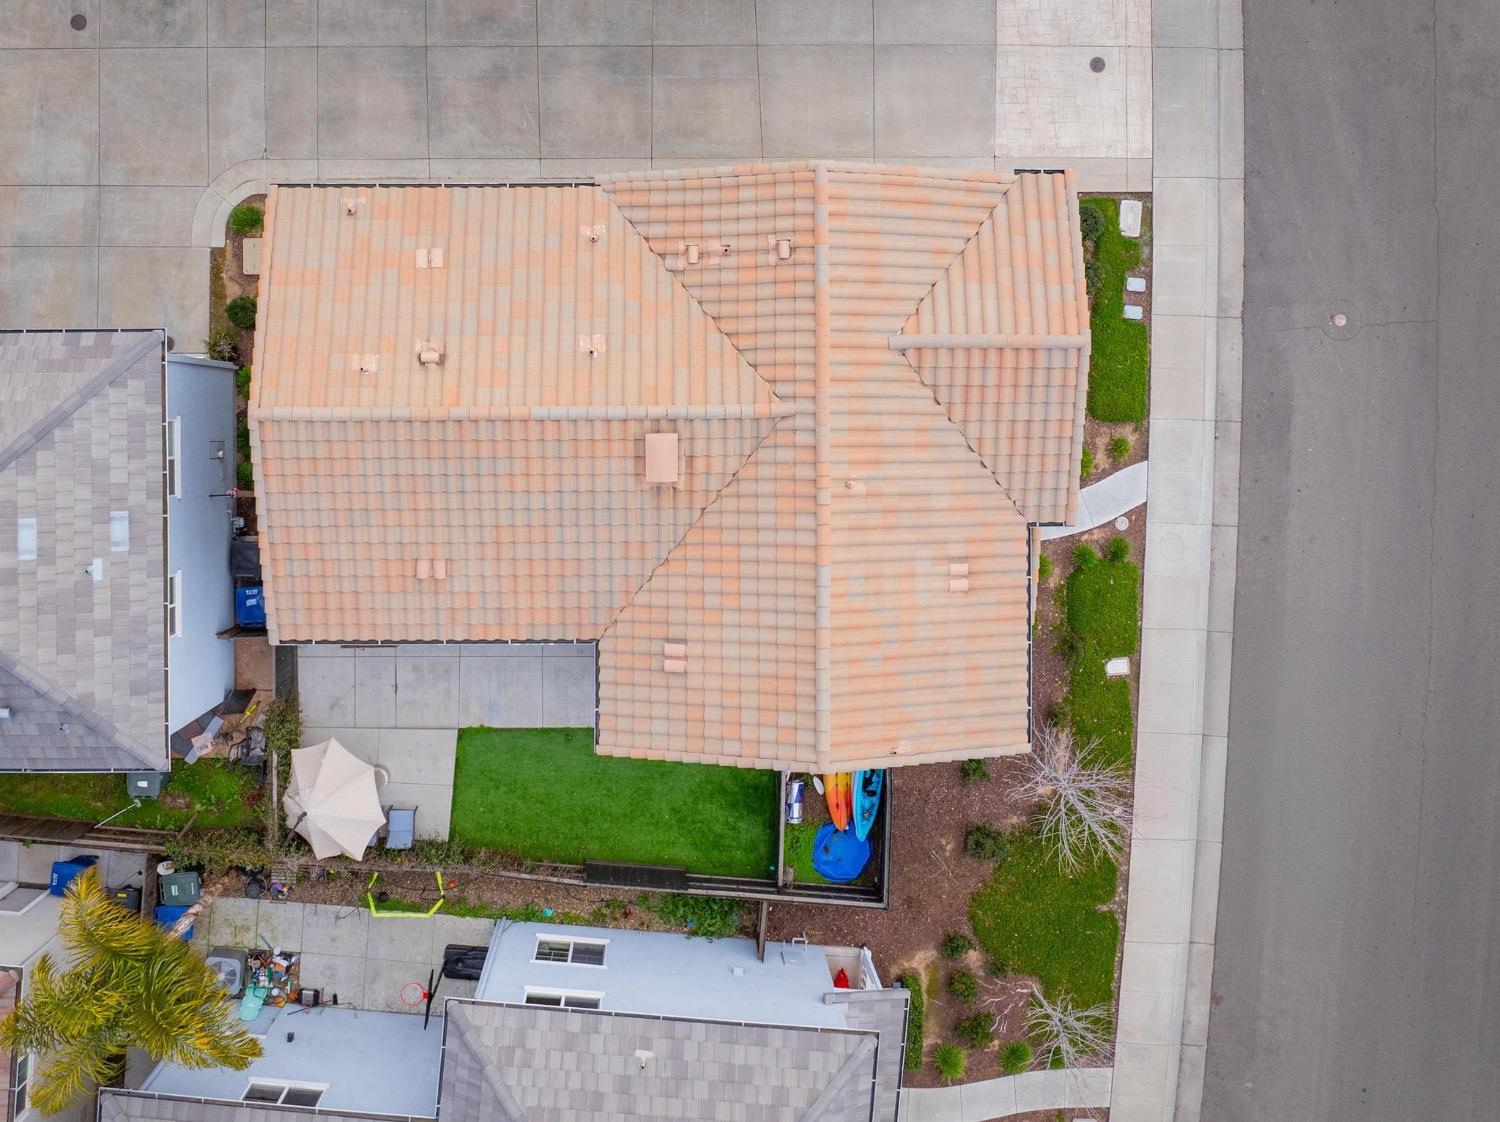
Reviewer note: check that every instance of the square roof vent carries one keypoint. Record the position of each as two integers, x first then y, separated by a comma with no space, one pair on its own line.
661,458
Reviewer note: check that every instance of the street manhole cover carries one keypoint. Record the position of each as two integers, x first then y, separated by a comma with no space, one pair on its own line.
79,22
1096,64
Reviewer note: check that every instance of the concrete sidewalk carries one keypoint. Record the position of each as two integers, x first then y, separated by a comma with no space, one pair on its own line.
1083,1088
1105,501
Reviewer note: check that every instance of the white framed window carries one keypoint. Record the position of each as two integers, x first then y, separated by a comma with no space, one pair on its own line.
577,952
174,603
25,539
174,457
564,999
20,1084
283,1093
119,531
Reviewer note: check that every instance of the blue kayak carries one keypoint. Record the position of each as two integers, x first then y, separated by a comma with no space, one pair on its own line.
839,855
867,785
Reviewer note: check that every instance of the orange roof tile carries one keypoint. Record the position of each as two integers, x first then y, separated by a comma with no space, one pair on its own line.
835,579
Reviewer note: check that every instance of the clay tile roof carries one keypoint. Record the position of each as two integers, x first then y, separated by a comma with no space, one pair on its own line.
876,376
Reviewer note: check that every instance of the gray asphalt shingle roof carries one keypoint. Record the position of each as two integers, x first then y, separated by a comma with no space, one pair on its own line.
82,661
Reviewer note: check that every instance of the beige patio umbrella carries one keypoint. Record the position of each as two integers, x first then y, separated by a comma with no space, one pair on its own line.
332,800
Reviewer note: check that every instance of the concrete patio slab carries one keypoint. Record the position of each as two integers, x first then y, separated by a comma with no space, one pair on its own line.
48,285
372,103
336,975
677,23
292,115
236,107
398,940
151,23
593,22
146,216
817,100
370,23
481,23
326,689
335,931
426,691
500,692
385,978
155,287
49,216
466,84
153,116
236,23
934,21
831,21
933,101
49,116
375,691
278,923
705,101
596,101
568,692
418,756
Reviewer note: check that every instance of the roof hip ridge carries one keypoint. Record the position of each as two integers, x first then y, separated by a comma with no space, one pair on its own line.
774,408
76,400
95,721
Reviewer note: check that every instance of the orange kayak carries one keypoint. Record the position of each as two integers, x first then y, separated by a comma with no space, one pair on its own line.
838,791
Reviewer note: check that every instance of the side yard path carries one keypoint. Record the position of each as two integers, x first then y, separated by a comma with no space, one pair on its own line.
1079,1089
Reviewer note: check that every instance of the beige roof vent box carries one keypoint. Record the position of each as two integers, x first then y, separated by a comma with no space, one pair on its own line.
661,458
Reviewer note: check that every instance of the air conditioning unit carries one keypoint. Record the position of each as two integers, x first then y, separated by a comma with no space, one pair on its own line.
228,966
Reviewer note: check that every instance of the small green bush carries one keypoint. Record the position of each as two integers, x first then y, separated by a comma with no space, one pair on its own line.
996,968
242,381
1086,463
708,917
1117,550
222,345
973,771
956,944
915,1046
241,312
1119,448
985,843
977,1031
1015,1057
1084,556
246,219
1044,569
1093,277
964,986
1090,222
244,475
952,1061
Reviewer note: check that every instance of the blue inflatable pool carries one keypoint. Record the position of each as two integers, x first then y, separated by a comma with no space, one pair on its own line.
839,855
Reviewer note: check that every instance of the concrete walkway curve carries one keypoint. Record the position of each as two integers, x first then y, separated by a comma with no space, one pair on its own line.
1078,1089
1104,501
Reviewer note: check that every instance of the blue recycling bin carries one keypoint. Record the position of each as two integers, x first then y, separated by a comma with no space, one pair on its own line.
168,914
66,872
250,606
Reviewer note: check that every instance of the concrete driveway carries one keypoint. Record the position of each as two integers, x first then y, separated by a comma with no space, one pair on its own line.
401,707
127,141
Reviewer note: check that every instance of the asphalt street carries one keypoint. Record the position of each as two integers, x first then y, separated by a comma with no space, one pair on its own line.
1357,973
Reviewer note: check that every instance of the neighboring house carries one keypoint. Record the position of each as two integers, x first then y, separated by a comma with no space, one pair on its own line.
575,1024
774,437
113,554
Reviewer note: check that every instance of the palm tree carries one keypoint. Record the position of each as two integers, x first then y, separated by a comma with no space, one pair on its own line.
132,984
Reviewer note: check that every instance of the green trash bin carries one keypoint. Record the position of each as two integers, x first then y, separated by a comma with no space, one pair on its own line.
180,888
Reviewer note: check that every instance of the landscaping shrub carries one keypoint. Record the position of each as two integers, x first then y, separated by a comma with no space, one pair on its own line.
247,219
995,968
952,1061
1118,550
915,1046
964,986
1047,925
222,345
1119,448
1090,222
1083,557
973,771
1015,1057
1093,277
1086,463
708,917
1044,569
244,475
241,312
977,1031
985,843
242,381
956,944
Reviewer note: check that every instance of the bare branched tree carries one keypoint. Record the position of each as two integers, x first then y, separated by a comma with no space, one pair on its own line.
1082,1037
1086,811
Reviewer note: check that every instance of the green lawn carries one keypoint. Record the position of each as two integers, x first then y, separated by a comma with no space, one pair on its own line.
220,794
1102,615
1120,349
543,794
1036,921
799,852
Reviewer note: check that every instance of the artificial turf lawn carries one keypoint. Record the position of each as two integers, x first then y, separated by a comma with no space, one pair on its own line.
1036,921
216,792
1102,615
1120,347
542,794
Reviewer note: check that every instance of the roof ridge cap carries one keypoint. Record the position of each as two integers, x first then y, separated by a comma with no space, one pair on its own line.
95,721
834,1090
511,1108
823,483
78,399
683,289
774,408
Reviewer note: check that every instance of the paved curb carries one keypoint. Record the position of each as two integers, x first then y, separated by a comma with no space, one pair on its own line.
1105,501
1187,615
1080,1088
